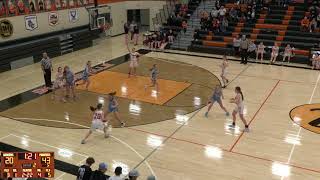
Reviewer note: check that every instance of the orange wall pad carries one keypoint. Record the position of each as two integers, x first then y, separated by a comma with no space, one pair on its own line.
134,87
214,43
271,26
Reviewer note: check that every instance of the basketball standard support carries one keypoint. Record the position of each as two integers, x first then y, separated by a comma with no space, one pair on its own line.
99,17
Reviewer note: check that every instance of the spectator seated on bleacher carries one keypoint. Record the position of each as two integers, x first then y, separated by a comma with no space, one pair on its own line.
196,35
305,24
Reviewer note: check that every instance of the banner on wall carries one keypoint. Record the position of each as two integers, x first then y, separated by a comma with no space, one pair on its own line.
6,28
53,18
73,15
31,22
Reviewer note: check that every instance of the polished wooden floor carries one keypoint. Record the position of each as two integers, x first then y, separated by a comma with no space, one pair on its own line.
199,147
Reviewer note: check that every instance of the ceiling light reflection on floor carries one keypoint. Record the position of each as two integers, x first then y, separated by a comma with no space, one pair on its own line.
124,91
24,142
213,152
181,117
297,119
125,167
65,153
154,93
280,169
196,101
293,139
154,141
135,108
101,100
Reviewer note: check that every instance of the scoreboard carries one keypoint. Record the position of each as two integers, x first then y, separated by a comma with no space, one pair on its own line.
26,164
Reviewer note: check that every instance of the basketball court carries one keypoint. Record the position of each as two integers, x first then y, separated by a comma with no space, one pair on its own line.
167,133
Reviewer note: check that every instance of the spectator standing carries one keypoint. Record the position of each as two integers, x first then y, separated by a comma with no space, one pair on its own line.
46,66
136,35
170,36
236,45
133,174
99,174
244,45
117,172
85,171
126,32
132,25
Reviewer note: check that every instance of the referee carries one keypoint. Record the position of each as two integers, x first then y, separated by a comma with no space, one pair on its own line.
46,66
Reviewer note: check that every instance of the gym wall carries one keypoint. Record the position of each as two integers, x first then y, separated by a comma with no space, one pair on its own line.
119,12
20,31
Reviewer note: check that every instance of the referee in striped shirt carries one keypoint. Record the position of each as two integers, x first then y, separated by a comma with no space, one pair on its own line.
46,66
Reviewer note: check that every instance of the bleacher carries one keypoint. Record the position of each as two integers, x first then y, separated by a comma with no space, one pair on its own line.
54,44
279,24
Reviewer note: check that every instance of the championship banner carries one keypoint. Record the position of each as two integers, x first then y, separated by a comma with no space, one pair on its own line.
53,18
73,15
31,22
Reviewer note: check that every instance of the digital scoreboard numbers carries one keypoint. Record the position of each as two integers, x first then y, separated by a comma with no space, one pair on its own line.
27,164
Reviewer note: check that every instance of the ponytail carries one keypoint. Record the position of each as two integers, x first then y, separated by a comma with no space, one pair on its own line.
239,90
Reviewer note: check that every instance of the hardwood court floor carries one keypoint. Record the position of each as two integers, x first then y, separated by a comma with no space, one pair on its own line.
135,88
200,148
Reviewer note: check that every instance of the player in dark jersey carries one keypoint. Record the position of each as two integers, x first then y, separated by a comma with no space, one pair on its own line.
85,171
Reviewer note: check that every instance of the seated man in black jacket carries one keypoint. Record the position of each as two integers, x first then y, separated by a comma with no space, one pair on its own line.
99,174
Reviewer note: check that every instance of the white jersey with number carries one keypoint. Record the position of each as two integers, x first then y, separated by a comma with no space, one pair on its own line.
98,115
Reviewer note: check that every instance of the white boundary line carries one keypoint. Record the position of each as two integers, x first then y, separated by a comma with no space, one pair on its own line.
38,142
65,122
299,131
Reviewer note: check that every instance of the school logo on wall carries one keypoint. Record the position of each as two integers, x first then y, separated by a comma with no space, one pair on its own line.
307,116
73,15
6,28
53,18
31,22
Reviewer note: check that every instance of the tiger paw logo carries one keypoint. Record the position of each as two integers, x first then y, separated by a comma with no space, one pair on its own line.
307,116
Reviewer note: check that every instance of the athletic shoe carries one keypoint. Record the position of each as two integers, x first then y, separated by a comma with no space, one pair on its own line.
232,125
227,113
83,142
227,81
123,124
206,114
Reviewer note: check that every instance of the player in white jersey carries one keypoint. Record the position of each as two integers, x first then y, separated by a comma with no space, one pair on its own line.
288,53
238,100
133,62
224,66
59,85
260,51
274,53
98,122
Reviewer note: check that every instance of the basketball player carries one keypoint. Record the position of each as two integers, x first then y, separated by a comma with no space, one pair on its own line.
98,122
69,79
85,75
287,53
133,63
59,84
274,53
217,96
154,76
113,107
260,51
238,100
224,66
